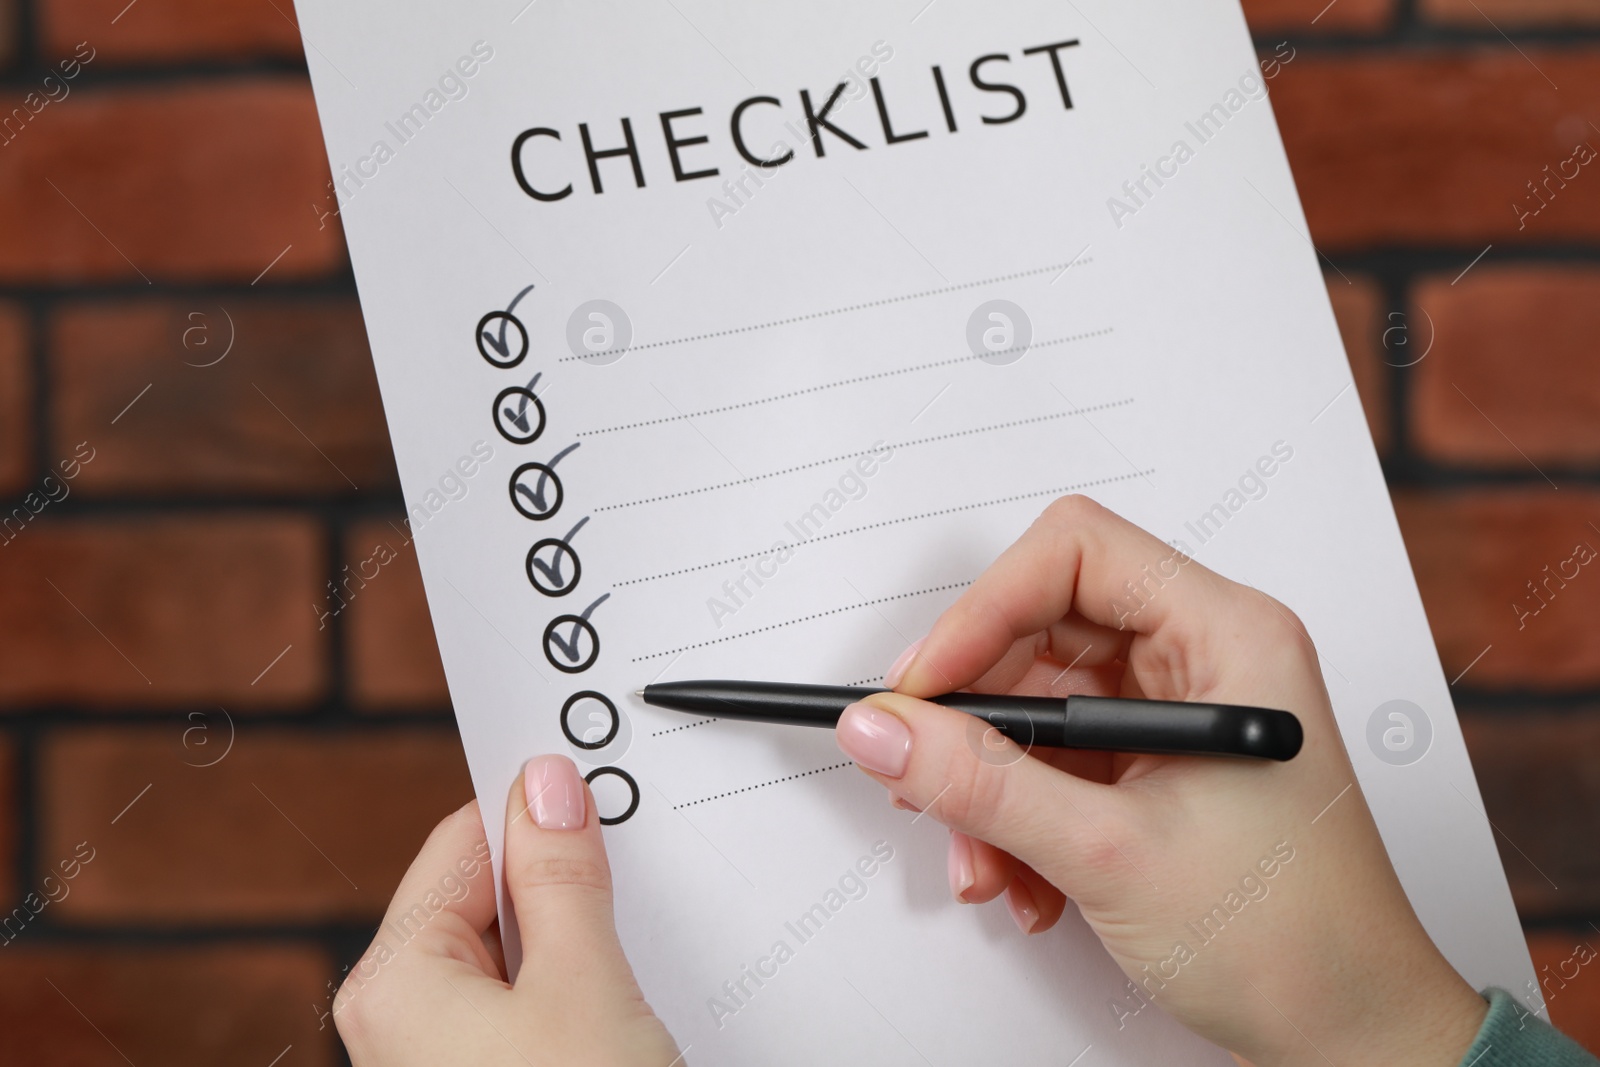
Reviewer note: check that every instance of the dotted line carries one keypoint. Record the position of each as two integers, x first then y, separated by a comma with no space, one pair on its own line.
895,522
834,385
762,785
614,352
865,681
803,618
862,452
687,726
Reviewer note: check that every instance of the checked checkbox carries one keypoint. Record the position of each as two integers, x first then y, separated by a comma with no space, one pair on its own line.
496,340
514,422
536,490
550,561
571,643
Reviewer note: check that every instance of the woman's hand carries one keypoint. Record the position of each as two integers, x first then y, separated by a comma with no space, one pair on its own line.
1254,901
431,990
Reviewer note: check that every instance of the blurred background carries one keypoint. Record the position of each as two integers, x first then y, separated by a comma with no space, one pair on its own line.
213,770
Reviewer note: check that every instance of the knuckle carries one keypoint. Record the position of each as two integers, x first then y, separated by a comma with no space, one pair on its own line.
1259,615
1070,510
1286,616
1108,846
1281,631
359,1009
553,871
1097,853
976,793
457,821
348,1022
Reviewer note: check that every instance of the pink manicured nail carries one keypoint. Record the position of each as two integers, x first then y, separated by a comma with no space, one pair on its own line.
555,793
1019,901
962,874
875,739
898,669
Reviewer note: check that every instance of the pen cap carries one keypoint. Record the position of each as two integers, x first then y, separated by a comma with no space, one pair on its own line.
1178,728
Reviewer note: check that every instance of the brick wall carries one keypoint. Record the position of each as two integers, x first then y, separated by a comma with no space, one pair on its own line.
249,783
1468,305
154,219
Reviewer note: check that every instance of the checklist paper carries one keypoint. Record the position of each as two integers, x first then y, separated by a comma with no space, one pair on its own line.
735,340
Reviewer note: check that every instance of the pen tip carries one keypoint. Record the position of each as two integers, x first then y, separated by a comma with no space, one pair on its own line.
638,692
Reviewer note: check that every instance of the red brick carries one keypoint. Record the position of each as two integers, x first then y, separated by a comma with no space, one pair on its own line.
1436,147
166,31
393,657
1358,307
1474,554
16,400
1491,15
1511,375
293,407
1543,796
180,1007
152,612
1318,16
203,181
1571,988
287,826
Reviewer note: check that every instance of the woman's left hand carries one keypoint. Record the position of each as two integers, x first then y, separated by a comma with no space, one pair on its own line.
431,989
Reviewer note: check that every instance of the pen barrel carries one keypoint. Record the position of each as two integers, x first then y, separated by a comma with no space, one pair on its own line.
1034,721
1179,728
1121,725
1105,723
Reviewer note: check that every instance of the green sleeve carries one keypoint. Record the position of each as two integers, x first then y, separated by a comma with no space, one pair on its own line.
1512,1036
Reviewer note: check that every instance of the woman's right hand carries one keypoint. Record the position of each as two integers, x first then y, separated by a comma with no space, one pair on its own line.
1254,901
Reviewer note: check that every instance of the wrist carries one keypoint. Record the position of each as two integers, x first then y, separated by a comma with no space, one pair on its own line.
1402,1016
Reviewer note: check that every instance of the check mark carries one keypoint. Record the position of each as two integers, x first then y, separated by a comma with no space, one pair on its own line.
499,343
535,496
519,417
555,569
569,645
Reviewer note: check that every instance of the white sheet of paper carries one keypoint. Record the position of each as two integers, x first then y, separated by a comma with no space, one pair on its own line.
763,332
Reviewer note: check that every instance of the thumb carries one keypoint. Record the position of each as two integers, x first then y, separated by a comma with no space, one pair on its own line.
962,772
559,881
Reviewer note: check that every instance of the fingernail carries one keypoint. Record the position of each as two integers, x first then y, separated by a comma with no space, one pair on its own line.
1019,901
962,874
555,793
875,739
898,669
903,805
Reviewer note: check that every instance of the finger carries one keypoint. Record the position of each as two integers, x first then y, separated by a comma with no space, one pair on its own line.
939,760
1047,678
445,902
455,852
1044,663
1023,660
979,872
1035,905
559,880
1077,556
1077,642
495,947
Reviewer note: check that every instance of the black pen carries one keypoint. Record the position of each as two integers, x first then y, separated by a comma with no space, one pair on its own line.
1166,727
